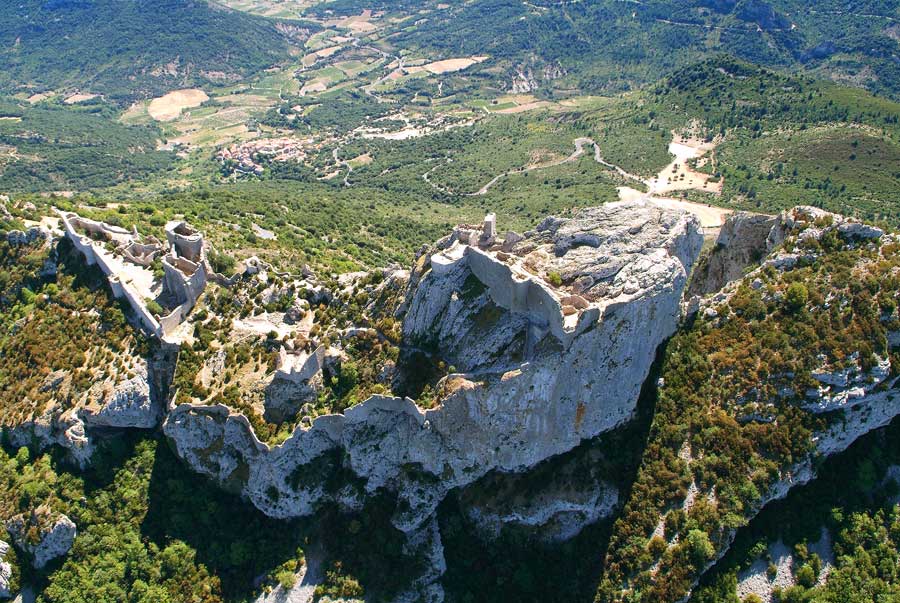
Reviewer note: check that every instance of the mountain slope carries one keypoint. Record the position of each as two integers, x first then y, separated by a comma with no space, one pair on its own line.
610,45
130,48
53,147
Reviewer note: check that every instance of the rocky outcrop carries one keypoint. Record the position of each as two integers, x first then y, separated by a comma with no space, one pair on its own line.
133,400
6,573
126,403
55,534
746,240
54,427
743,241
539,363
840,387
17,237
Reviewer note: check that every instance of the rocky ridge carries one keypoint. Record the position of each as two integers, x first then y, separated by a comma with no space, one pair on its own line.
534,328
534,382
865,397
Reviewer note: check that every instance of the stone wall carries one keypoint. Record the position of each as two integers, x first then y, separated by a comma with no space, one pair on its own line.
185,278
121,290
185,240
300,368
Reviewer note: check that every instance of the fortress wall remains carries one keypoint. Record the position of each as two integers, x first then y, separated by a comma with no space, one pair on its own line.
119,289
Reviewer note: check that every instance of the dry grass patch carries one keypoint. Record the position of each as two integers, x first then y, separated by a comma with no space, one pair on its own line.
451,65
170,106
79,98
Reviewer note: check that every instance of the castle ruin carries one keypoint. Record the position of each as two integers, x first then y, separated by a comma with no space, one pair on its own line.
127,258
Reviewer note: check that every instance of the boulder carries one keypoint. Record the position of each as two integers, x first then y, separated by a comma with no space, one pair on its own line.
857,230
56,533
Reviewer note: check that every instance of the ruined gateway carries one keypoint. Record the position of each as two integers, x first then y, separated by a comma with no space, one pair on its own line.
541,366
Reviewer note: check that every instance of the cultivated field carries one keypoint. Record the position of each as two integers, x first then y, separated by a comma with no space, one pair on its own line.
170,106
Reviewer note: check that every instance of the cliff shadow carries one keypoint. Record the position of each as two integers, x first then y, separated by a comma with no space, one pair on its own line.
523,566
241,545
234,540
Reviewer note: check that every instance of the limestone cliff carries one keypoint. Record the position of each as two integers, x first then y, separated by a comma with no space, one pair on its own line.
120,401
743,241
553,337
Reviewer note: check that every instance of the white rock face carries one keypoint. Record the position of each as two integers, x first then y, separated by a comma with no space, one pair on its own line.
55,539
541,375
743,241
5,572
52,427
123,404
118,403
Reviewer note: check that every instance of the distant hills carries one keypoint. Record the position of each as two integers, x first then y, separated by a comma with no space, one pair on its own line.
125,49
608,45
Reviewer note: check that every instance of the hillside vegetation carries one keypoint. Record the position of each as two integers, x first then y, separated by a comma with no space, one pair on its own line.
130,48
49,146
854,499
610,45
730,420
784,140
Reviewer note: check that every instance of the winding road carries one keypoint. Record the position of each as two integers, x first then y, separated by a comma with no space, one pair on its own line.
711,217
580,143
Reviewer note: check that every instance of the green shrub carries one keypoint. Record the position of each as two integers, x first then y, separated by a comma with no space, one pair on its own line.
286,579
796,296
699,547
806,576
657,546
154,307
221,262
